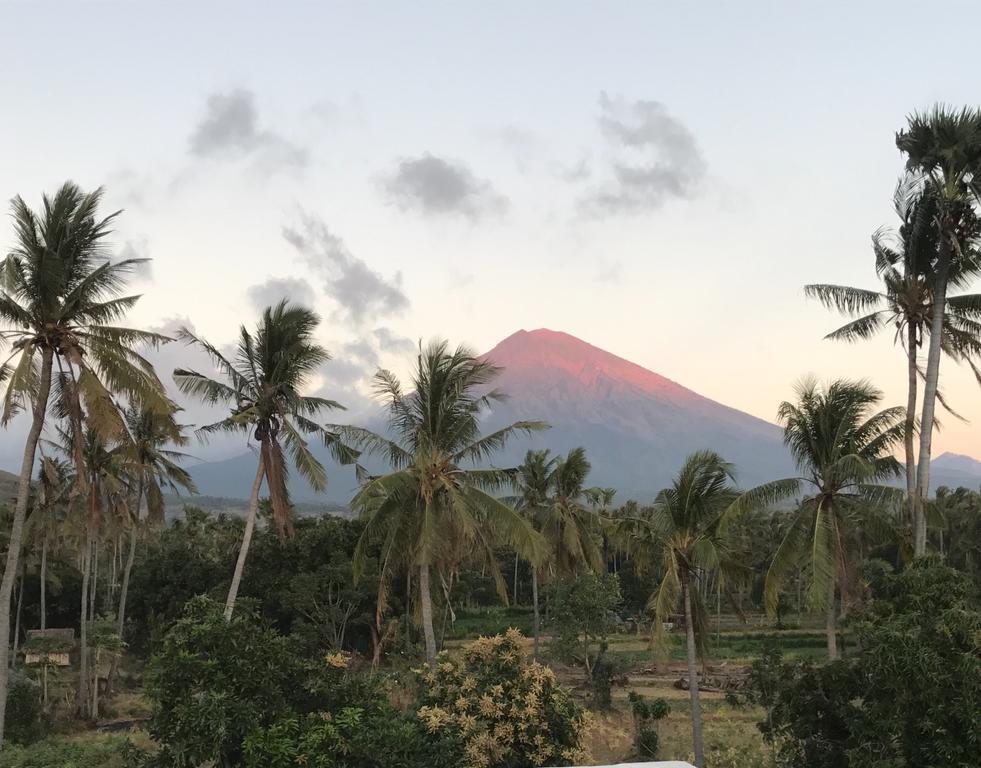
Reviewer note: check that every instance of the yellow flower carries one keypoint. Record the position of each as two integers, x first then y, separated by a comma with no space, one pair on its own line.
469,683
337,660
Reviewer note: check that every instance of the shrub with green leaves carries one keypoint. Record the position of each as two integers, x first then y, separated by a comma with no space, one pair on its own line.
504,710
214,682
646,715
25,716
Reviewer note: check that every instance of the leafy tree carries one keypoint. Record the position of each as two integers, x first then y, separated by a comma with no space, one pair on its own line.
263,385
911,694
844,447
904,262
944,145
687,528
583,617
61,297
646,715
435,505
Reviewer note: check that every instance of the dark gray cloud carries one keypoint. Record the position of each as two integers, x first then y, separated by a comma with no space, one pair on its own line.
436,186
391,342
359,291
275,289
653,157
230,129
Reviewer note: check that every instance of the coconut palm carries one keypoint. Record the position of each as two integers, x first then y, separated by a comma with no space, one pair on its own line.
686,532
50,506
106,467
155,466
843,446
61,297
263,385
532,482
944,145
435,502
904,263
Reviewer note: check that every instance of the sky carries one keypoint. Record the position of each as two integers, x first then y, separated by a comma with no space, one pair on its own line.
659,179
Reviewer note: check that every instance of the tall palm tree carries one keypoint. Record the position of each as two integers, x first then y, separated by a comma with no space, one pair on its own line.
686,531
436,502
106,468
50,506
843,446
60,298
155,465
532,485
904,262
263,385
944,145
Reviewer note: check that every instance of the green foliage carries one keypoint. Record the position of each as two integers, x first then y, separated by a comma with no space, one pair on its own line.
583,617
25,718
63,752
214,682
354,726
646,715
502,709
910,697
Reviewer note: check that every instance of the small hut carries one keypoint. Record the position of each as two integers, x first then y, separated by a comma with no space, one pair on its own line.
49,647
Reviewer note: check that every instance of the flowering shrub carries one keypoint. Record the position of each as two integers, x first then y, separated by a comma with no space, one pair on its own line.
505,711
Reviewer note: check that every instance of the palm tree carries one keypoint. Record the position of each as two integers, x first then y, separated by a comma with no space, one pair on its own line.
263,385
904,263
436,503
61,296
944,145
50,504
843,447
687,528
155,466
531,483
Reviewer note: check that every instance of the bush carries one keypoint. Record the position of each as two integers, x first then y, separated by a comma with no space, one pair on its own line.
646,715
215,681
25,716
355,727
503,710
910,696
61,752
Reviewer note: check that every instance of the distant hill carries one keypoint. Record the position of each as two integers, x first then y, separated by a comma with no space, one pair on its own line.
636,425
8,487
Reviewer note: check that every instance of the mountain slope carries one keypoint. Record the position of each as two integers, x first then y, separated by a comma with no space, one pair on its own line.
637,426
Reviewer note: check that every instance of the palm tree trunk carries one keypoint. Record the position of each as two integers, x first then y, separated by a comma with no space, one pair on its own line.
426,603
44,579
930,398
696,711
82,697
534,600
911,505
514,600
128,568
246,541
20,607
17,525
831,628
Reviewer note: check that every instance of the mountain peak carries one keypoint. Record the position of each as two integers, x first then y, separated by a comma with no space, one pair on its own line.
532,354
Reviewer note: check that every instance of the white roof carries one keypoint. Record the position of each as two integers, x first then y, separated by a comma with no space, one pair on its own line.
663,764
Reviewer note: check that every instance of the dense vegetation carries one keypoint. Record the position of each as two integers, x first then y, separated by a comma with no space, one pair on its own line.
392,639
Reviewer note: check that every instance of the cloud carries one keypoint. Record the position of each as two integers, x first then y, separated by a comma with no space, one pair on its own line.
230,129
138,248
435,186
275,289
653,158
359,291
390,342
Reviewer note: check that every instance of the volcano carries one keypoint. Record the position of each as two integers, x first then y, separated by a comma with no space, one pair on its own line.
636,425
